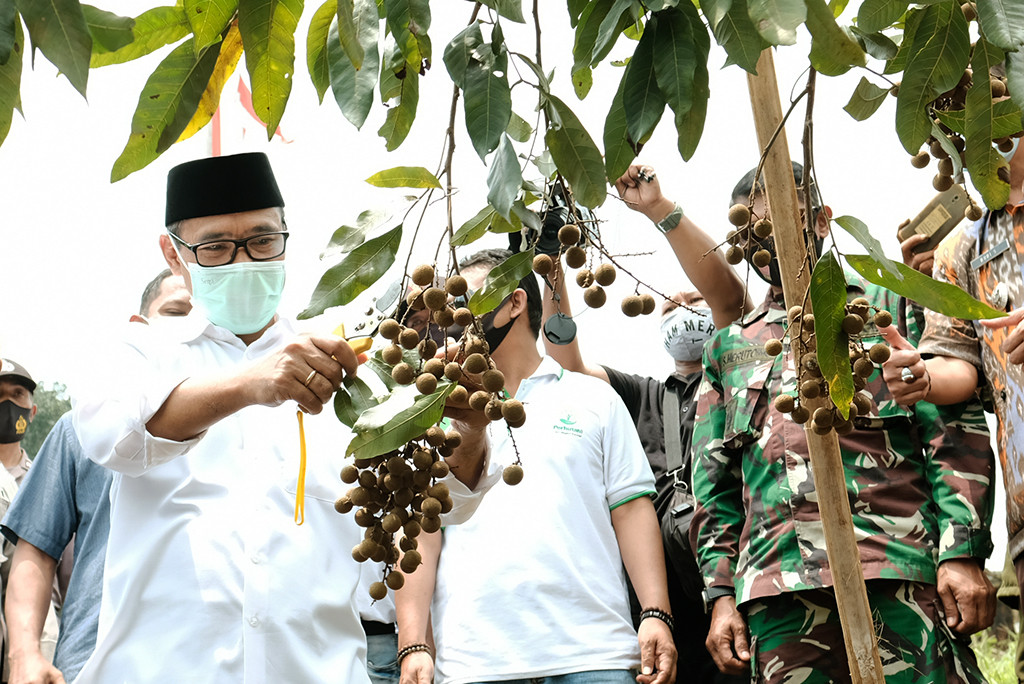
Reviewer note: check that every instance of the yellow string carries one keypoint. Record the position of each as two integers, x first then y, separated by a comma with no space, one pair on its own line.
300,488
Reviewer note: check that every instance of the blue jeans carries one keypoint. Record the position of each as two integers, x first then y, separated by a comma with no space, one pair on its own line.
594,677
382,658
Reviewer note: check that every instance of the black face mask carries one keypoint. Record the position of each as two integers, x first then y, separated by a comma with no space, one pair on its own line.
13,422
495,335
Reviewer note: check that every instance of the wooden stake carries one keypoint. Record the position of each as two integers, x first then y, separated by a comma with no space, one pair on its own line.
826,460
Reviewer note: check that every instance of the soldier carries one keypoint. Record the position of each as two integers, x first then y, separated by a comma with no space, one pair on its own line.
919,493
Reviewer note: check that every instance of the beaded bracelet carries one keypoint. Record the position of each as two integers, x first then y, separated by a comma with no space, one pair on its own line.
411,648
661,615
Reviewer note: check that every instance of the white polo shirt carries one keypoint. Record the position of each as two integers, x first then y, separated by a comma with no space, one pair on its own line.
533,584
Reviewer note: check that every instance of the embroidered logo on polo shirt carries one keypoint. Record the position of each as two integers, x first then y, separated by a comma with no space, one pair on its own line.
565,425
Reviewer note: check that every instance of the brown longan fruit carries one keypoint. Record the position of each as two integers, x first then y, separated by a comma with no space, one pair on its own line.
391,522
423,275
973,212
998,88
453,371
435,298
605,274
476,345
863,367
463,317
584,278
575,257
513,411
1004,144
761,258
422,458
920,160
453,438
426,383
427,348
343,505
444,318
942,183
844,427
391,354
350,473
493,380
395,580
821,429
863,404
784,403
807,322
431,507
970,11
632,306
773,347
763,228
475,363
493,409
456,285
429,525
945,167
800,415
513,474
937,150
459,396
390,329
880,353
734,255
403,374
823,416
411,560
415,299
542,264
409,338
569,234
435,367
883,319
852,324
478,400
739,215
649,305
434,436
595,296
809,389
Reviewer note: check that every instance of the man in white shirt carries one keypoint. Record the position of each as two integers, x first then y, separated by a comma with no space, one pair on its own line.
208,578
532,588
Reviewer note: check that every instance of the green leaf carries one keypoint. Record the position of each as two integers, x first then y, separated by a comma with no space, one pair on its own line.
875,15
353,88
543,82
599,25
983,162
8,17
347,238
859,230
714,11
504,178
351,399
641,96
405,415
936,64
617,19
349,26
268,33
400,117
833,51
208,19
10,81
1006,119
57,28
575,155
910,24
510,9
1015,78
518,129
109,31
166,105
501,282
945,298
230,53
408,21
404,177
460,51
690,126
154,29
576,8
674,56
619,150
878,45
866,100
582,82
316,47
488,106
359,270
501,225
393,69
828,299
475,228
777,20
738,35
381,369
1002,23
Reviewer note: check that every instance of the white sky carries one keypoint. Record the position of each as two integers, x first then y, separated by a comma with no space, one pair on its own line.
76,250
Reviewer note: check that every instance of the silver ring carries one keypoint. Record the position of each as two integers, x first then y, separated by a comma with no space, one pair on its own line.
646,176
907,375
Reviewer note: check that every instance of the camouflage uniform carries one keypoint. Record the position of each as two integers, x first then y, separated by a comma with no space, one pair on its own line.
985,260
918,482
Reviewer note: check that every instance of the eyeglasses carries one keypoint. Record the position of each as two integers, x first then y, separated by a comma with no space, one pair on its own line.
262,247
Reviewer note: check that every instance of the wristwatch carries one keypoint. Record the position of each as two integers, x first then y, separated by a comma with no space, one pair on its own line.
671,221
712,594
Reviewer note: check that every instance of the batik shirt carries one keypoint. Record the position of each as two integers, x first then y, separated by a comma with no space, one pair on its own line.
918,479
985,260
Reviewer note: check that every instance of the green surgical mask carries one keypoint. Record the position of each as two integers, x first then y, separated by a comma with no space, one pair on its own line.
242,297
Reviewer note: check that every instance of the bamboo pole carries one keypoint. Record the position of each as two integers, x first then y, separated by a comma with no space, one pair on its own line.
826,460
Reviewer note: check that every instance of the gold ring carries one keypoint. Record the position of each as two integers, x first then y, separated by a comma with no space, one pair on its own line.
309,378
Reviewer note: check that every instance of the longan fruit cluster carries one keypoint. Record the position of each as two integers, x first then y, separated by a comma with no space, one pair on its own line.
593,282
811,385
396,497
746,236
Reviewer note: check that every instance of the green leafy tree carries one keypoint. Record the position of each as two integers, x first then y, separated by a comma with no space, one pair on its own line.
51,402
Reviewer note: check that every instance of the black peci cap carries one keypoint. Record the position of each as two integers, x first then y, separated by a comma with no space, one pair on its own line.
221,185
